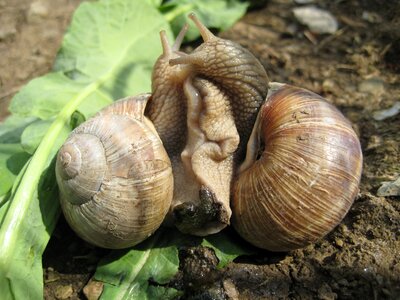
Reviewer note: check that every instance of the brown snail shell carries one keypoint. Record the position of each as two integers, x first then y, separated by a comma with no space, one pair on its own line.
115,177
301,174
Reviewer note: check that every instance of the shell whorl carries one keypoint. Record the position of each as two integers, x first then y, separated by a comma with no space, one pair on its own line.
119,188
82,156
306,178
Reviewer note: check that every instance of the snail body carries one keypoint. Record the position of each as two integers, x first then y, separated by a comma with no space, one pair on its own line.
114,176
222,93
305,179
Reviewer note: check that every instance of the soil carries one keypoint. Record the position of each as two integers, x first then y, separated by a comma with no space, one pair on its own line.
357,68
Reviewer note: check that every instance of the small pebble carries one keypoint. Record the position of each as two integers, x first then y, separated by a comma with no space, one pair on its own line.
330,86
51,276
38,9
316,19
63,292
391,188
387,113
339,242
374,142
230,289
93,290
371,17
374,85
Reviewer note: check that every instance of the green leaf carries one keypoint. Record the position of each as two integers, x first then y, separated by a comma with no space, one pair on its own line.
12,159
27,223
117,41
12,128
155,3
45,96
145,271
77,119
160,292
220,14
127,274
6,177
104,56
226,247
34,133
21,270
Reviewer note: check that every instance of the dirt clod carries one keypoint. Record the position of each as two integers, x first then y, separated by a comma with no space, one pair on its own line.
63,291
93,290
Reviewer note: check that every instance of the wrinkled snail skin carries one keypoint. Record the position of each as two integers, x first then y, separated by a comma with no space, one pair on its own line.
115,177
235,71
207,160
224,92
302,173
167,105
167,109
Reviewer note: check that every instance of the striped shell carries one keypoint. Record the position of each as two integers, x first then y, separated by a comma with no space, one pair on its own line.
304,173
115,177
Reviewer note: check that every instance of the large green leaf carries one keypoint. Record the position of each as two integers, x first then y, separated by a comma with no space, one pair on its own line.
104,56
145,271
21,270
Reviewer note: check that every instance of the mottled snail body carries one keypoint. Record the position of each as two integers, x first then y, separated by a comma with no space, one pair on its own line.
293,183
220,87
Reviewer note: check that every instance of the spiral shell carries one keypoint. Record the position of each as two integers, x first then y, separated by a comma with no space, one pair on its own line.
303,175
115,177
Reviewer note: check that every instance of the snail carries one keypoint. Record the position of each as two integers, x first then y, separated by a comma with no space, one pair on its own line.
115,177
218,89
223,143
301,173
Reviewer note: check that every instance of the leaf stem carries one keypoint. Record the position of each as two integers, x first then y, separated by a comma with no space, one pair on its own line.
24,195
